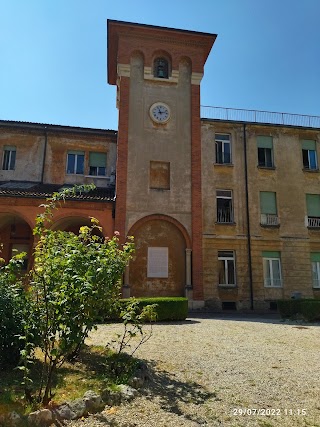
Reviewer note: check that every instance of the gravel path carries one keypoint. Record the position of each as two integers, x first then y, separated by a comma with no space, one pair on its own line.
206,370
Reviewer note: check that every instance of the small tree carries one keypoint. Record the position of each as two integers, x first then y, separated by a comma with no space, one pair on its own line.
74,278
12,306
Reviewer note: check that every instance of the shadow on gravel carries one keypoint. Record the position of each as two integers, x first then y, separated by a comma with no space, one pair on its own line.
177,322
171,392
273,318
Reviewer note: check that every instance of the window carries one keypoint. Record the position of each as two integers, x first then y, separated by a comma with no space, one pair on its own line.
224,206
265,151
315,265
158,262
97,164
223,149
313,210
226,268
75,162
268,208
9,158
272,269
309,154
161,68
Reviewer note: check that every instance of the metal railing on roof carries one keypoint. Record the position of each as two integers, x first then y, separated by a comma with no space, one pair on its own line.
256,116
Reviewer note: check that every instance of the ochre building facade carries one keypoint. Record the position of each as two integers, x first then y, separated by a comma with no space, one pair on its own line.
224,211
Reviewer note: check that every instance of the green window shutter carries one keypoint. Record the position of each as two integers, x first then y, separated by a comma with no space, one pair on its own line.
9,148
308,144
76,152
313,205
264,141
271,254
315,256
98,159
268,202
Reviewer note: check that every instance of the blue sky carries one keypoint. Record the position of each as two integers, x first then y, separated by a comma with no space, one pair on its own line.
53,55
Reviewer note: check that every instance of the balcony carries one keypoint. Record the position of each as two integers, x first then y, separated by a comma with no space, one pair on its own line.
269,220
224,216
312,222
256,116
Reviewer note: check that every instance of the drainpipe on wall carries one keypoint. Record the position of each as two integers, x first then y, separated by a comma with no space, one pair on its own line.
248,215
44,154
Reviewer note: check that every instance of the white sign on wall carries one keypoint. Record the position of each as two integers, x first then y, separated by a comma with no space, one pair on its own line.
158,262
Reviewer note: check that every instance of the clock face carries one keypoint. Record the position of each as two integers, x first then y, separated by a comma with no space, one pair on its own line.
160,112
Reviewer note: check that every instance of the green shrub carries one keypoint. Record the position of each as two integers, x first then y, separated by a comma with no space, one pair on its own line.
289,308
310,309
11,315
167,308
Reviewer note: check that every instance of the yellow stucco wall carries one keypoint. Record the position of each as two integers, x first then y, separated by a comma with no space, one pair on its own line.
292,238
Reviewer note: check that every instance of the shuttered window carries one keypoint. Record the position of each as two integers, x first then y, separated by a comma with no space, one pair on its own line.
313,205
264,142
268,202
97,164
265,151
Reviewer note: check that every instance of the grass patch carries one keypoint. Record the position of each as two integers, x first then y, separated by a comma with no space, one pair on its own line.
95,369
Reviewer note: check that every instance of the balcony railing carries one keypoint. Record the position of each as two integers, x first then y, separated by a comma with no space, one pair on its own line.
224,216
256,116
269,219
312,222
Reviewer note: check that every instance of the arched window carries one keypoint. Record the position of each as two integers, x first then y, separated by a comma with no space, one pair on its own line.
161,68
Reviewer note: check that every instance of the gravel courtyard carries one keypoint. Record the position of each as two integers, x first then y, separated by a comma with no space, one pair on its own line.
229,371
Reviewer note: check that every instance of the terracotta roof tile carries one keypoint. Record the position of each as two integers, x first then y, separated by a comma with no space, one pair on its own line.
41,191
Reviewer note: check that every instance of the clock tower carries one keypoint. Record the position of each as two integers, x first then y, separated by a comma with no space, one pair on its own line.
157,71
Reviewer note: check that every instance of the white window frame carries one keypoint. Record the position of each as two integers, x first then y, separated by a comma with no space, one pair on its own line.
74,172
309,162
9,165
315,266
97,171
224,142
225,258
269,282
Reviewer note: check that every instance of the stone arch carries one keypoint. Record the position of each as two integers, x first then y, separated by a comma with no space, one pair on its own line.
16,236
162,217
137,54
10,213
158,267
72,223
185,60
